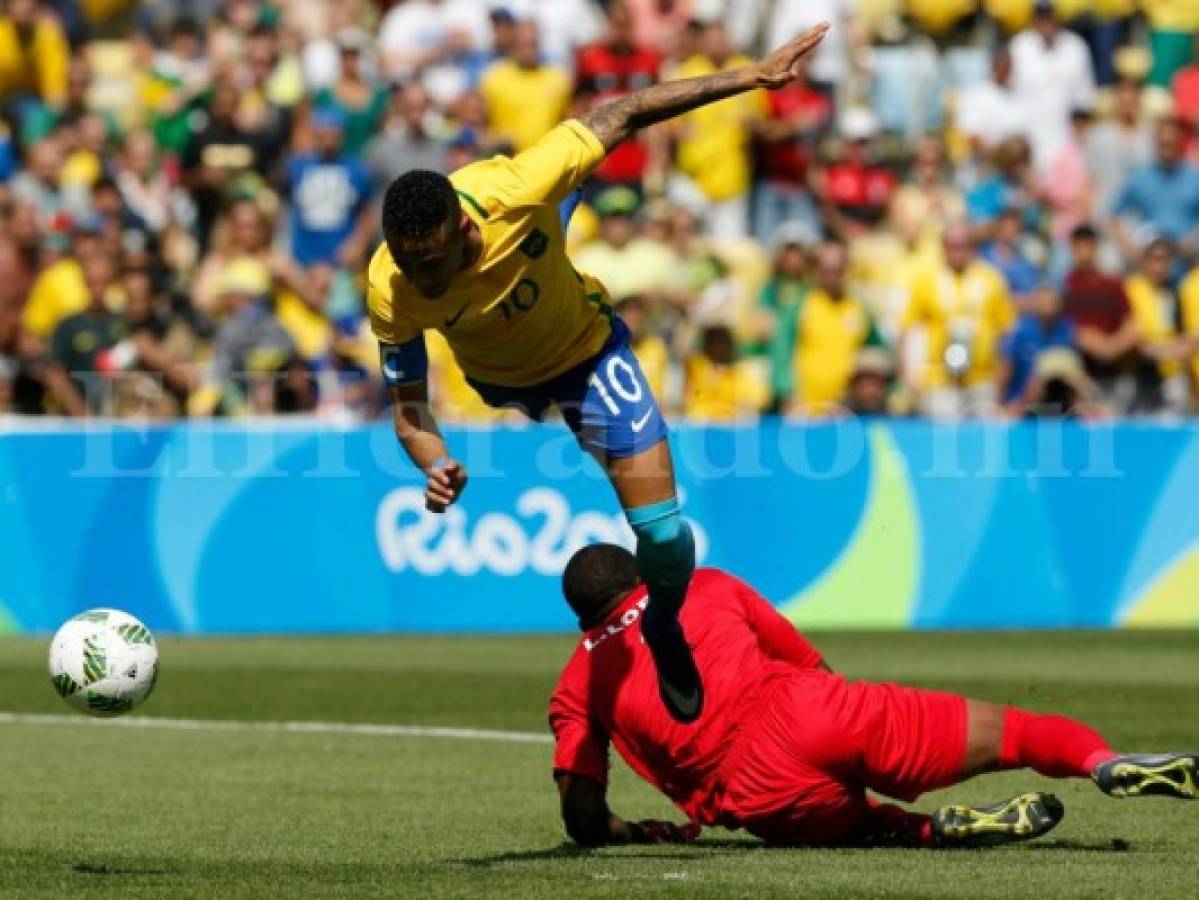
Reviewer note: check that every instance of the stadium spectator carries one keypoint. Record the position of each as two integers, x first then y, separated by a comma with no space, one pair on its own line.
1185,89
714,143
1005,253
610,68
1173,26
562,25
962,309
509,85
146,189
244,244
1041,328
871,384
39,183
33,57
929,194
1060,388
779,298
651,350
407,139
657,24
60,290
331,218
1161,198
796,118
151,372
1069,192
146,146
718,386
1188,295
855,189
361,100
819,339
435,41
906,80
1097,305
832,61
624,261
1166,348
20,251
1051,75
1012,184
41,119
224,157
1117,147
81,344
990,112
251,352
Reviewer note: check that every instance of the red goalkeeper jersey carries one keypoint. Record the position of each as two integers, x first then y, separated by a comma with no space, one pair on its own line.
608,692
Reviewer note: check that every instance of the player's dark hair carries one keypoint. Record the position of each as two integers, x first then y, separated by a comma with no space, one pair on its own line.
594,577
417,204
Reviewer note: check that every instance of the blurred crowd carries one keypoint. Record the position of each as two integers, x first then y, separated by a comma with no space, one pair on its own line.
963,208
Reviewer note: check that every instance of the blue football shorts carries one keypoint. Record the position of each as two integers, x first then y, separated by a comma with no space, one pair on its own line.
605,401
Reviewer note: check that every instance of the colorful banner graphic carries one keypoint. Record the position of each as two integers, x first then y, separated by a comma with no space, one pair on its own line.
298,528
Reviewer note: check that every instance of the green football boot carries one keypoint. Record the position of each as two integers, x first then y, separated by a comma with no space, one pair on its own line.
1019,819
1150,775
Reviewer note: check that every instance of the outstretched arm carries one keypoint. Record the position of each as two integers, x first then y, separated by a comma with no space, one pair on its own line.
590,823
615,122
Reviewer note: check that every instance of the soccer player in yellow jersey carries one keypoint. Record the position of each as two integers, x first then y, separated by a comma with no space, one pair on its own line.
480,257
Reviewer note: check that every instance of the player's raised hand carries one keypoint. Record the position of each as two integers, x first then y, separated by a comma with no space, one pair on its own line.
655,831
781,67
447,479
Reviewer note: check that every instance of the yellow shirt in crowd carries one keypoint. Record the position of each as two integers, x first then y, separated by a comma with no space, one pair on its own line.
1016,15
654,358
715,140
1172,15
523,104
1188,296
828,335
936,17
722,393
37,66
973,306
641,267
58,292
521,314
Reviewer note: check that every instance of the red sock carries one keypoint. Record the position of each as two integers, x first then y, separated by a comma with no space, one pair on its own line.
1052,745
892,826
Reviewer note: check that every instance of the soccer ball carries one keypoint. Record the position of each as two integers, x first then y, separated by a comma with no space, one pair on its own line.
103,662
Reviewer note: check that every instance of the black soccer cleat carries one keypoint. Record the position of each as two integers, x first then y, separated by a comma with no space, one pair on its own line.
1019,819
1150,775
679,684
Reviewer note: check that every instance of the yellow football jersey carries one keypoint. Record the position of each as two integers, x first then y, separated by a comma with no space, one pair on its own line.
521,314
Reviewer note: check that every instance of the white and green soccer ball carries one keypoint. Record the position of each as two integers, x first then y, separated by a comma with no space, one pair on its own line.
103,662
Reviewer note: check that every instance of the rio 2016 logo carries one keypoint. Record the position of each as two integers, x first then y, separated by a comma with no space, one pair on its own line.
537,538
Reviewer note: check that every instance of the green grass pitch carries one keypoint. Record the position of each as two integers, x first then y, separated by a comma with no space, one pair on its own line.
118,812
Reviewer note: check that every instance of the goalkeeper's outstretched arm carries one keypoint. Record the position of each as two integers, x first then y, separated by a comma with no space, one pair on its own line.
615,122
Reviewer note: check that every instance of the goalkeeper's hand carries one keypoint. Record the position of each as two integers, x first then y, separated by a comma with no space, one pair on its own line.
656,831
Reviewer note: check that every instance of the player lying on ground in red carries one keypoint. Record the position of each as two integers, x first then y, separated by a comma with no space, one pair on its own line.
789,750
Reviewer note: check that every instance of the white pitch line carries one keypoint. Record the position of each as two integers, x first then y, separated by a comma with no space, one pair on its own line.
152,723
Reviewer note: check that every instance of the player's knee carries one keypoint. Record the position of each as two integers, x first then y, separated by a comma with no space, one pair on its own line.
665,544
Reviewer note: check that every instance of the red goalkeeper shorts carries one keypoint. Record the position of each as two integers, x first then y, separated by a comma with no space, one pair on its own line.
799,772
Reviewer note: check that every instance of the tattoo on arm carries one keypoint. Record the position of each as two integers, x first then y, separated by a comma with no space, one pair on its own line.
615,121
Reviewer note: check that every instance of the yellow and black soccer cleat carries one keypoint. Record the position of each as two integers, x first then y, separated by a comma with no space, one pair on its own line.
1019,819
1150,775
